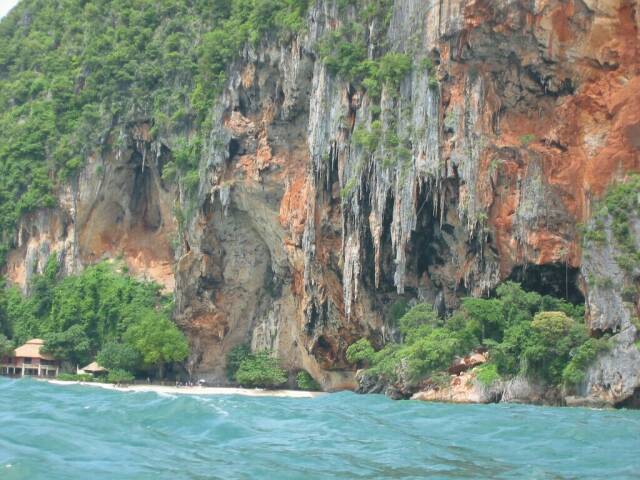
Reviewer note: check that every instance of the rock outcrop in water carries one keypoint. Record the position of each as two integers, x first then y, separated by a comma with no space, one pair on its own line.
512,123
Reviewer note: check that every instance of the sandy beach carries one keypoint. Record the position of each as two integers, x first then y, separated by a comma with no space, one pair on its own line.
196,390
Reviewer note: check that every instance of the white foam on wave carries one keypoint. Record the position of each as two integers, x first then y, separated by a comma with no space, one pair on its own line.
166,395
220,410
207,391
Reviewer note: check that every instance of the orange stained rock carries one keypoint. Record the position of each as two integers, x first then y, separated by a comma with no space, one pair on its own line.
293,211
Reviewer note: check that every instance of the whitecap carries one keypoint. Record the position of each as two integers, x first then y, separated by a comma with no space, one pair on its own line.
220,410
166,395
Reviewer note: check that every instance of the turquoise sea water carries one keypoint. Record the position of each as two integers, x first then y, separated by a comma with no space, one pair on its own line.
73,432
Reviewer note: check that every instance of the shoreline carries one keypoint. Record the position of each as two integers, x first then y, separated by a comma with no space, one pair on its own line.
574,402
196,390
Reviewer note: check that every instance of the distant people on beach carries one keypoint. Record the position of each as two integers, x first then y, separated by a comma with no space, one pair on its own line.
190,383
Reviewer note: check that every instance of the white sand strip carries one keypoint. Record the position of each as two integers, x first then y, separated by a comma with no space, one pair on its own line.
256,392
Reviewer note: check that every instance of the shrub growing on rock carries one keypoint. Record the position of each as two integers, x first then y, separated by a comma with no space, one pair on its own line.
360,352
260,370
306,382
397,310
488,315
428,346
547,351
574,372
418,321
487,374
235,358
527,334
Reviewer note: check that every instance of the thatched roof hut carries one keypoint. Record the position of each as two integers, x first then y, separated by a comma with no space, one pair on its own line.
32,349
94,368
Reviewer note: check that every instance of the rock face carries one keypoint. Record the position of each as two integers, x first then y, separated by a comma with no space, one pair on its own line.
613,306
119,206
466,388
299,238
462,389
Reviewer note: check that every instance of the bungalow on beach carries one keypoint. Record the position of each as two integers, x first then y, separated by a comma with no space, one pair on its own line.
93,368
29,359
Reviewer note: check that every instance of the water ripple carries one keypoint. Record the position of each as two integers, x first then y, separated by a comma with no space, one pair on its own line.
78,433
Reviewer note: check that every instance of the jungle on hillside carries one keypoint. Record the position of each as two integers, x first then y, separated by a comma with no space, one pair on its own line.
521,333
101,313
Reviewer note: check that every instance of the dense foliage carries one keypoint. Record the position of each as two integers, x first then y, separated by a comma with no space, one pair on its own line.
360,352
73,73
101,311
119,376
306,382
76,377
119,356
540,337
619,207
261,370
249,369
157,339
235,358
6,346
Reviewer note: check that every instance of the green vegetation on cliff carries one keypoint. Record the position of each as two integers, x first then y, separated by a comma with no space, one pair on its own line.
359,52
102,311
75,73
305,381
540,337
619,207
360,352
260,369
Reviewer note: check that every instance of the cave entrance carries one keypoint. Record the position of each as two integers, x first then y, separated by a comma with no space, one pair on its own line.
428,247
631,402
234,148
144,196
556,279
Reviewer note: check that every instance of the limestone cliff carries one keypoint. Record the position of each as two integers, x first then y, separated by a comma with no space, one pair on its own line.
514,119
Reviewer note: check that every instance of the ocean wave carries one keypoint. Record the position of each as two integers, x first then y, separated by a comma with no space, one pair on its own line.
74,433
